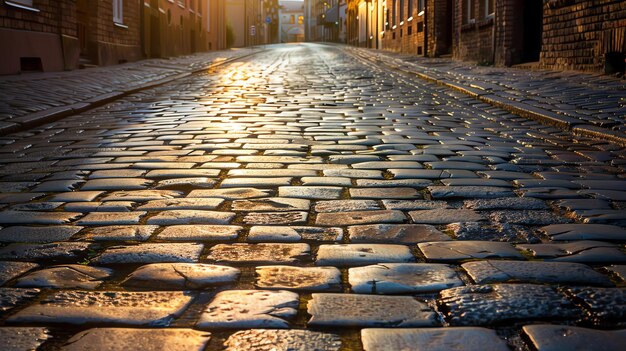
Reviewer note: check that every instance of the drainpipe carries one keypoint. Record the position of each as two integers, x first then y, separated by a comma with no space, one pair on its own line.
494,33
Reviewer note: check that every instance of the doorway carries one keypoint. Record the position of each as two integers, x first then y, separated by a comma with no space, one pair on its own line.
533,29
82,26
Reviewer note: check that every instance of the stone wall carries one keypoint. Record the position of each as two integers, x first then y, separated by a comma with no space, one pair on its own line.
114,43
579,34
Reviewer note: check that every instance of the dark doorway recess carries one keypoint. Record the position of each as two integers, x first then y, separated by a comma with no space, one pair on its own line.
533,22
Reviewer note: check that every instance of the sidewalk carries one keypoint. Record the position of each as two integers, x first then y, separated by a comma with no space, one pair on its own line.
30,99
589,104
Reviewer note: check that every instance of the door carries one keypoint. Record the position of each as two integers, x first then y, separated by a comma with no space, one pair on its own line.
533,29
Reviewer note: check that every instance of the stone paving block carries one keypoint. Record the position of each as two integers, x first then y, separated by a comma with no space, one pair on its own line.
393,183
183,183
179,173
402,278
584,251
231,194
181,204
384,193
352,310
549,337
345,255
395,233
12,297
199,232
326,181
150,253
275,204
119,233
347,205
506,203
50,251
527,217
111,218
35,217
173,217
407,205
298,278
311,192
445,216
142,195
496,271
565,232
179,276
359,217
27,234
457,191
99,206
10,270
282,340
276,218
117,184
255,182
603,304
106,307
504,303
72,276
450,251
263,253
432,339
119,339
22,338
293,234
248,309
76,196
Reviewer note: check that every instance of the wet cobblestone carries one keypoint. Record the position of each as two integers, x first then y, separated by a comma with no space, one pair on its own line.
308,190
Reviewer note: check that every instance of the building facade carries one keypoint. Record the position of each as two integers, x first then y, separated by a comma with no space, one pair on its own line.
38,35
291,20
253,22
47,35
584,35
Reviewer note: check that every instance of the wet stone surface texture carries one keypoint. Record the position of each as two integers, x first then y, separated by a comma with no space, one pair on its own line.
312,197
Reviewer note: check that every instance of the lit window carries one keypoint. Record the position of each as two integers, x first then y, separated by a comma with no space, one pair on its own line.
118,11
300,19
292,19
421,6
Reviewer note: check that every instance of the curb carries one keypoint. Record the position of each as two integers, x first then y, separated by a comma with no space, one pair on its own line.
574,125
23,123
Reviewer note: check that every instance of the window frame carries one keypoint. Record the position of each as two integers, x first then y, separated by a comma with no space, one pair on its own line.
118,12
489,14
22,4
468,11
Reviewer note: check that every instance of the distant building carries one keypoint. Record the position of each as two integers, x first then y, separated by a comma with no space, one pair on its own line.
253,22
325,20
291,17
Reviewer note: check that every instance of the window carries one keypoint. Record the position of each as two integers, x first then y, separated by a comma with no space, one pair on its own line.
489,8
410,9
468,12
394,8
181,3
192,5
300,19
421,6
401,11
118,11
23,4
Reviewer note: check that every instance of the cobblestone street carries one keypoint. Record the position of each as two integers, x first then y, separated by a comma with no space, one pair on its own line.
309,197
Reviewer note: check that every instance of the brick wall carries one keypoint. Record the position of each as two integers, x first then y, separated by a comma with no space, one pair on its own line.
439,27
577,34
408,36
473,40
53,15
